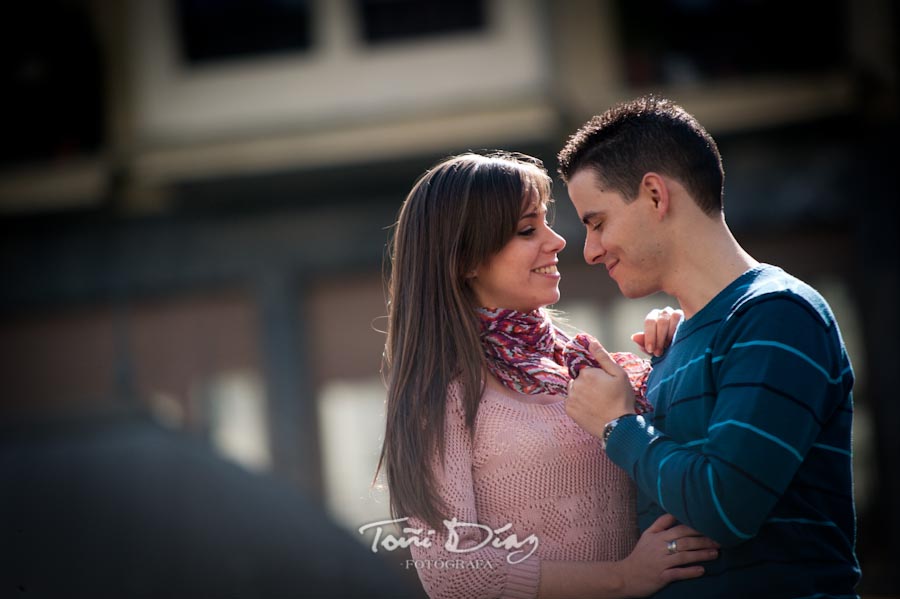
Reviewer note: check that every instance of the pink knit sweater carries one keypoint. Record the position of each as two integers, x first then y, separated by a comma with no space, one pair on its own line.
531,466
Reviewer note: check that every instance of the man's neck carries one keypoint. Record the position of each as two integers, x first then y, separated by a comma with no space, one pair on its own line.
709,261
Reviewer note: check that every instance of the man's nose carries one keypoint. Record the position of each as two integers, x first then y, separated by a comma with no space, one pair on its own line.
593,251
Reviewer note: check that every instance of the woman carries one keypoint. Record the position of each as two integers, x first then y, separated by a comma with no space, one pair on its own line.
506,496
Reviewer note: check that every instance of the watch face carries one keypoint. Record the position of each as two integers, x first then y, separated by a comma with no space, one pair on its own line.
607,430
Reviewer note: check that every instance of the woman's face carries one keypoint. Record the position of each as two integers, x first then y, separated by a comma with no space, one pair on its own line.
522,275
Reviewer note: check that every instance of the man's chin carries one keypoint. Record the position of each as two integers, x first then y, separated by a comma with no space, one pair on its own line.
633,292
630,291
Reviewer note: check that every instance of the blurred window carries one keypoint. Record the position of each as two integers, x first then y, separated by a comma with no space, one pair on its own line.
53,80
351,428
685,41
213,30
389,20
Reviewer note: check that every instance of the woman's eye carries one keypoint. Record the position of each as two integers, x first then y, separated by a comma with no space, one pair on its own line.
526,232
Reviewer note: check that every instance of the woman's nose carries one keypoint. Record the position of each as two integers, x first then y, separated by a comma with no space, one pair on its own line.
556,241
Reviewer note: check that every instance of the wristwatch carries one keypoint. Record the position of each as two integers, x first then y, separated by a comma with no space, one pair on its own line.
608,429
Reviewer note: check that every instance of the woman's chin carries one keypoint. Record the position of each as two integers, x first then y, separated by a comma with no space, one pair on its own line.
549,301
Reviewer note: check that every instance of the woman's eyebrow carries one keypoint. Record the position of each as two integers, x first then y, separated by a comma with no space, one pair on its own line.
534,212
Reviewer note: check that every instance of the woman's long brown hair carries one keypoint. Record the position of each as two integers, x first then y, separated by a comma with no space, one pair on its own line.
458,214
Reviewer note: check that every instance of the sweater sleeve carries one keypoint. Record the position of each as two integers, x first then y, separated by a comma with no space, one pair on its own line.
778,373
467,567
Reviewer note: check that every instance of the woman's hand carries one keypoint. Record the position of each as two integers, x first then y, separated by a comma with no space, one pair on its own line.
659,328
655,561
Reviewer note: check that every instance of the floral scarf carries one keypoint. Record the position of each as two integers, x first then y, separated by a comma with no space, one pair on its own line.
530,355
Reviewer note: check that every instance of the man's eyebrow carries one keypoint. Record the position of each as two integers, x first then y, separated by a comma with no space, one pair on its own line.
589,216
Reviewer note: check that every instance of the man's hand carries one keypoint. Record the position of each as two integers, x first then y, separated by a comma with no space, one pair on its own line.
599,395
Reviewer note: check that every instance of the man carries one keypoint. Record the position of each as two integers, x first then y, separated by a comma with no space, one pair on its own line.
749,440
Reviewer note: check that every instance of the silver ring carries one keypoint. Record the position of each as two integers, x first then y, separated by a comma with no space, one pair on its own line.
672,547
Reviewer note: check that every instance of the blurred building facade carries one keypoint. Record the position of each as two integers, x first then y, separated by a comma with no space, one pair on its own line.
195,197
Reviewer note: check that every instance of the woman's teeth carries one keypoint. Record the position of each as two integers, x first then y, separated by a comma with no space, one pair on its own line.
546,270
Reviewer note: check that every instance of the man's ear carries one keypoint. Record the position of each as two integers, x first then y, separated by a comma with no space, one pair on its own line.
655,187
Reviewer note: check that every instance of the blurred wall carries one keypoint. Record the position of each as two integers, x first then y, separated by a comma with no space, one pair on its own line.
195,197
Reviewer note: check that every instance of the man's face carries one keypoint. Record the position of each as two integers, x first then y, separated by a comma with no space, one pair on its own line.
621,236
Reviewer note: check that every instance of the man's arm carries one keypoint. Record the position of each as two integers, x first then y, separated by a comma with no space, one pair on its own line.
779,377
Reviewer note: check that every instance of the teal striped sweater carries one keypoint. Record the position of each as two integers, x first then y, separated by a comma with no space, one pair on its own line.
749,442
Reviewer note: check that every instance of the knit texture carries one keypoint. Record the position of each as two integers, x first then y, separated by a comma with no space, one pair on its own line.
750,442
527,465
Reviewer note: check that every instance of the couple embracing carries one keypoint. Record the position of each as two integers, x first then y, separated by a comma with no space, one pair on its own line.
720,468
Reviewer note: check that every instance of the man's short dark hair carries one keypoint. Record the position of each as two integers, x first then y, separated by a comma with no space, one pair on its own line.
647,134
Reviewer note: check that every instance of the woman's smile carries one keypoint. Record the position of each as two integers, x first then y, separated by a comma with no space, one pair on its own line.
549,270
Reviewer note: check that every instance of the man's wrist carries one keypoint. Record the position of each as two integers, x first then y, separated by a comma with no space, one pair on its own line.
610,427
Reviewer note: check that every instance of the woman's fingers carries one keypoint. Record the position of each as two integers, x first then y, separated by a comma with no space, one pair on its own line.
674,317
662,523
662,330
638,338
659,330
679,531
694,544
680,558
673,574
651,324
